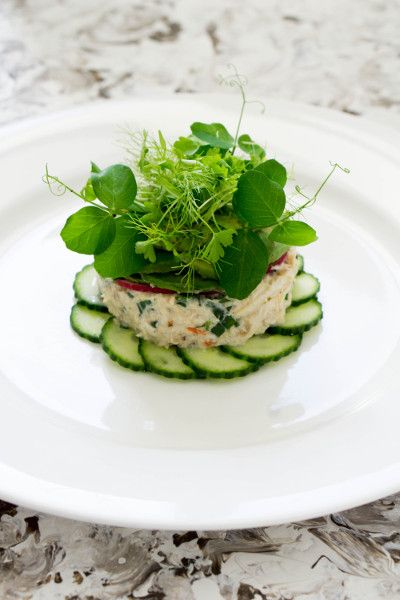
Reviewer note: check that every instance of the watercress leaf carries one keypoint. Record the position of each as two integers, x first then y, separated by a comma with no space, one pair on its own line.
275,249
220,240
120,258
204,268
178,283
87,192
89,231
186,146
258,200
246,144
214,134
94,168
293,233
244,264
274,170
164,263
115,187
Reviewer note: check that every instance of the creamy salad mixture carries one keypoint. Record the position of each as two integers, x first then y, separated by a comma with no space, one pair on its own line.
201,321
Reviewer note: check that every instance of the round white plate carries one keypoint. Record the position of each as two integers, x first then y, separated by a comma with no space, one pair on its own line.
317,432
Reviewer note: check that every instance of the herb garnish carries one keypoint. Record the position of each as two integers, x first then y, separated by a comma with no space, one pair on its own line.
193,215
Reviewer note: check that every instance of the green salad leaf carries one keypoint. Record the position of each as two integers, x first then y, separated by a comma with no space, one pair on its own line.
293,233
165,263
274,171
219,241
258,201
214,134
187,146
120,258
244,264
178,284
88,231
275,249
246,144
115,187
87,191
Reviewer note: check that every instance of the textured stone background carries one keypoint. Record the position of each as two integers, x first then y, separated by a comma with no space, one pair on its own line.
334,53
339,54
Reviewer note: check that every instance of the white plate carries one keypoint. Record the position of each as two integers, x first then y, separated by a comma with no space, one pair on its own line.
318,432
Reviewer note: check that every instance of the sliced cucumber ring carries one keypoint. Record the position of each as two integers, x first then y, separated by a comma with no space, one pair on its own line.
300,263
305,287
86,288
164,361
213,362
88,322
265,348
299,318
122,345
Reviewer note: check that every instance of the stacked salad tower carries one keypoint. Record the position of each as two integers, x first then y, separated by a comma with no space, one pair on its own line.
195,272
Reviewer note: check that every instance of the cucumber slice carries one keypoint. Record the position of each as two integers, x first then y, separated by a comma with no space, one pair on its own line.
86,288
88,322
300,263
213,362
265,348
122,345
164,361
305,286
299,318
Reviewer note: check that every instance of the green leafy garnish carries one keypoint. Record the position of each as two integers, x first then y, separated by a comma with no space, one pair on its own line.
87,192
215,249
88,231
274,171
120,258
115,187
187,146
205,212
258,200
275,249
214,134
246,144
244,264
177,284
293,233
165,263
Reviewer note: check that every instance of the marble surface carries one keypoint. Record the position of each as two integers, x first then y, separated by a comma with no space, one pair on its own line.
340,54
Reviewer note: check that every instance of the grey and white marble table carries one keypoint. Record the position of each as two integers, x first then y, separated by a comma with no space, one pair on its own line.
341,54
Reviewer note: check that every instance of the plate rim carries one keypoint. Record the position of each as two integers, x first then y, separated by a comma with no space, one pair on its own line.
324,502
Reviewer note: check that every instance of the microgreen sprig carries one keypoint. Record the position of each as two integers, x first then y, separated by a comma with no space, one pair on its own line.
237,80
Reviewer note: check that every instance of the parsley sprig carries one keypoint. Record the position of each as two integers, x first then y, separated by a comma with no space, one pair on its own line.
192,215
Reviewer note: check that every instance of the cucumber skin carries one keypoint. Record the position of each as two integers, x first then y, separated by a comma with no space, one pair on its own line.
300,262
263,361
98,307
201,374
80,300
301,328
116,358
86,336
168,374
298,302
